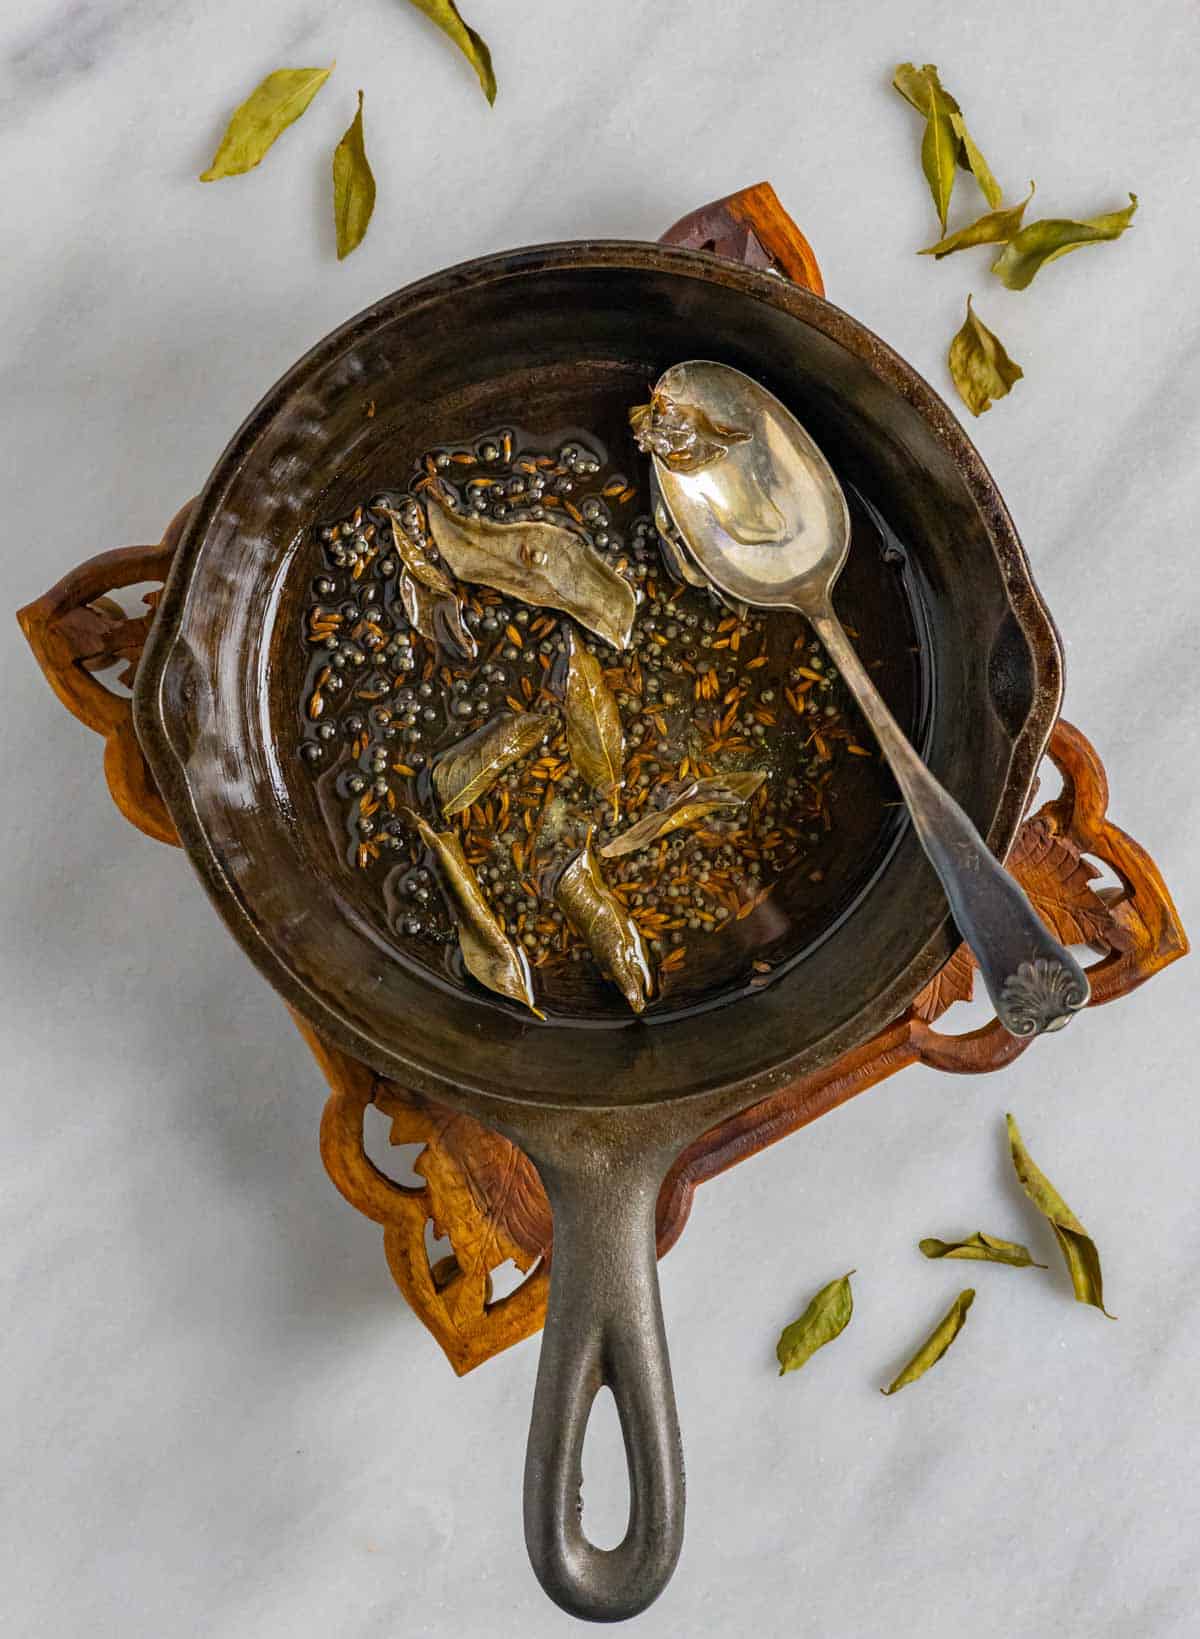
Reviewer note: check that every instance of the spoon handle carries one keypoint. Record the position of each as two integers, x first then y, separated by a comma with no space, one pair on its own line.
1035,983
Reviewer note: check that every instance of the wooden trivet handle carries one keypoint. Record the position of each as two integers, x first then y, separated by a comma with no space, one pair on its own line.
75,630
750,226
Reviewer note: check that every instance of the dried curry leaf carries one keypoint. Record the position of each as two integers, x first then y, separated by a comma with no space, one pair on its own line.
682,436
545,565
826,1317
353,187
468,770
693,803
416,560
939,151
445,14
438,619
913,85
994,228
488,953
970,158
1041,242
982,370
273,105
595,741
922,88
984,1248
599,917
935,1345
1075,1244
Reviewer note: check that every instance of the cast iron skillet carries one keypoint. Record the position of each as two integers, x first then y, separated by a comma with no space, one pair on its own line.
560,335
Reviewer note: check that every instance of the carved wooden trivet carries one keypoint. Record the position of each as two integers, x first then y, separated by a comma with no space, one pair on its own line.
478,1190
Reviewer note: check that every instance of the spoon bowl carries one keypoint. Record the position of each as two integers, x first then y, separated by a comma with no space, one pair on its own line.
768,522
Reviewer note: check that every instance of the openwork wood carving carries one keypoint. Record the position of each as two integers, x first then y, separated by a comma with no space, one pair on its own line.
477,1189
77,629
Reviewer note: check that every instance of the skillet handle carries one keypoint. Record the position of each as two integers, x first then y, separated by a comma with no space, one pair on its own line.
604,1325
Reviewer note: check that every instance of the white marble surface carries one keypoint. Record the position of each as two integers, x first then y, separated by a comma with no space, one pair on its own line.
219,1418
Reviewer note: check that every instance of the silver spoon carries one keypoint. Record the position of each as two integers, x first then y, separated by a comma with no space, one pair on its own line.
760,511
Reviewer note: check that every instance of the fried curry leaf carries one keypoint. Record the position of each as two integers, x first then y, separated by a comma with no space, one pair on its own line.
1041,242
353,187
1076,1245
985,1248
982,370
693,803
267,112
416,560
488,953
447,17
469,769
935,1345
994,228
595,741
438,619
682,436
924,90
599,917
826,1317
545,565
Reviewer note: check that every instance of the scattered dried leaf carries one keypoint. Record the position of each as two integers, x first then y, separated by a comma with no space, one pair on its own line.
982,370
994,228
1041,242
1077,1247
353,187
984,1248
273,105
446,15
827,1316
935,1345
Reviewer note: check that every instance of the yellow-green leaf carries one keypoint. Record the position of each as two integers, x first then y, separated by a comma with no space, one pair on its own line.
473,47
1075,1244
922,88
826,1317
266,113
981,368
936,1344
994,228
985,1248
913,85
972,160
1045,241
939,151
353,187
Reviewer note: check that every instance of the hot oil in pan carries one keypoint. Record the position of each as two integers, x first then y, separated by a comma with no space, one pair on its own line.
720,905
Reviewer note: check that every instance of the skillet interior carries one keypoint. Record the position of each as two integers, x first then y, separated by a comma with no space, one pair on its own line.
544,338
